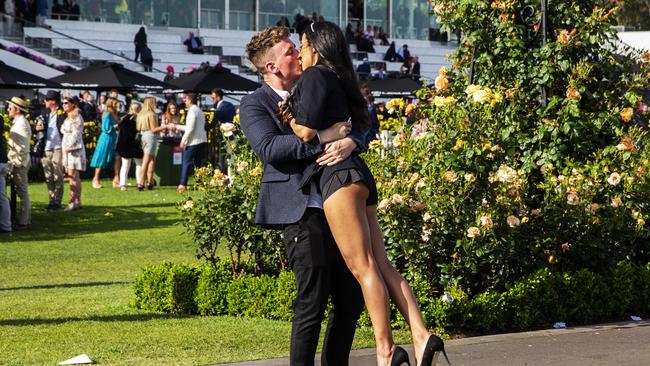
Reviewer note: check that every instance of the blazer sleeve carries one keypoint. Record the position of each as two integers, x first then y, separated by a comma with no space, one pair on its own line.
190,125
271,145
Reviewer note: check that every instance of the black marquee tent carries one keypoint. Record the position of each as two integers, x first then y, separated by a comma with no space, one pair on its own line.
13,78
221,78
110,76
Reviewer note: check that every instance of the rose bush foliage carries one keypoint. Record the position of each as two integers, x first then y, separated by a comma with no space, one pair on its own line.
219,211
540,161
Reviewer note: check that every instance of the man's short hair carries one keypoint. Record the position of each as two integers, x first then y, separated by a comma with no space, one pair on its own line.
257,50
218,92
192,97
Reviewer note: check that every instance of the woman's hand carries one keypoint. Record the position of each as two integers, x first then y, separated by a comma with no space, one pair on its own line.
338,131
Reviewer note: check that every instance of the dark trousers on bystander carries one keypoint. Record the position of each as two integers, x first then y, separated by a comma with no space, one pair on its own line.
193,156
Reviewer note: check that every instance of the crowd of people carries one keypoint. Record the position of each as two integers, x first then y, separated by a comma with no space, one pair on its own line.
128,136
36,11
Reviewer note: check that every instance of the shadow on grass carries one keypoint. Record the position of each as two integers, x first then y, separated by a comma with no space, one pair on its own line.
106,318
60,225
64,285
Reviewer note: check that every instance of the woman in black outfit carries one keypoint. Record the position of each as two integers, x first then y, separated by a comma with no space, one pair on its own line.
328,92
139,41
391,53
127,147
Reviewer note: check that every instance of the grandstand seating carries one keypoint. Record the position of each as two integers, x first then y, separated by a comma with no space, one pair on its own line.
168,49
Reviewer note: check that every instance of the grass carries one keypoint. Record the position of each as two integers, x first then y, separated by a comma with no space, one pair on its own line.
66,285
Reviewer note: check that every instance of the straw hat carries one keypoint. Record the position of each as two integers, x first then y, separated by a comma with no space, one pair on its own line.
20,103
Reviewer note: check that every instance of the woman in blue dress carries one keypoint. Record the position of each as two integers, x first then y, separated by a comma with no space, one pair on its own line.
105,150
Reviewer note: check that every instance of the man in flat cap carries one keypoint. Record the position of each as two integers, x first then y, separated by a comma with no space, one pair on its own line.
20,136
48,147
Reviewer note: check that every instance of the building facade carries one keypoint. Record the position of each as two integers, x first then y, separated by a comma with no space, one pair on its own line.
408,19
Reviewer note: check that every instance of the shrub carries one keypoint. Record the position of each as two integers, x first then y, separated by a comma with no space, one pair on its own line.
252,296
212,288
166,288
285,293
220,211
540,160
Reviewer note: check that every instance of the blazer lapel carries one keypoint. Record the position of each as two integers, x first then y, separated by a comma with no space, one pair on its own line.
271,100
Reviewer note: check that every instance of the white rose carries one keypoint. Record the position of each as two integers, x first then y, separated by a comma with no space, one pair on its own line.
614,179
513,221
473,232
486,221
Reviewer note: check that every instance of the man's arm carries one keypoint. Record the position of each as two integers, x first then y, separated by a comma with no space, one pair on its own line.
271,145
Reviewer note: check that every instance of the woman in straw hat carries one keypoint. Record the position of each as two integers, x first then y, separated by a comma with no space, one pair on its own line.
74,152
20,136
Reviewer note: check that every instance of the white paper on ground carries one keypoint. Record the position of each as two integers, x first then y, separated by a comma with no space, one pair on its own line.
635,318
77,360
559,325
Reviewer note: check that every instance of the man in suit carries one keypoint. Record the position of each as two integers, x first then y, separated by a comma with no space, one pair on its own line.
48,147
224,111
312,253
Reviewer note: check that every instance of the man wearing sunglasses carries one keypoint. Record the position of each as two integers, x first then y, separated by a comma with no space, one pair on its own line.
48,147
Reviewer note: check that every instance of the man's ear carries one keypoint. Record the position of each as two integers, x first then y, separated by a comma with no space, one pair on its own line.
270,68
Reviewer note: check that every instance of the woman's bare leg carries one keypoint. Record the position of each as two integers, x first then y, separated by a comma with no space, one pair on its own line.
96,178
150,168
399,290
117,165
143,170
345,211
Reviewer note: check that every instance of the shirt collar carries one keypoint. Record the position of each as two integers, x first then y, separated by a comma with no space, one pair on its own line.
282,93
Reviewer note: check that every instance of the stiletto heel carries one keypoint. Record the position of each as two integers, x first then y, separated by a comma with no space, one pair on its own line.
434,345
400,357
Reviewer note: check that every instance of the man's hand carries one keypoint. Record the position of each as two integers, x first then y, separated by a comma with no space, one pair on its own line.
337,151
182,146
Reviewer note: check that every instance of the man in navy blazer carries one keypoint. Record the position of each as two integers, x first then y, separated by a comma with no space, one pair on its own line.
224,111
311,250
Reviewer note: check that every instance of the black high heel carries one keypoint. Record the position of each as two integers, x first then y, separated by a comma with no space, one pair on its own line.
400,357
434,345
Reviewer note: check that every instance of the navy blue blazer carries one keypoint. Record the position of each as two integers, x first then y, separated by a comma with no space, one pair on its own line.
224,113
284,155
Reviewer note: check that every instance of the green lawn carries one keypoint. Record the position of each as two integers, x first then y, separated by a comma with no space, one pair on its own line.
66,285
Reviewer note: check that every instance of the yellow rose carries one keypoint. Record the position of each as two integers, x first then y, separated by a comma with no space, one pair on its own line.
441,83
573,94
626,114
256,171
481,96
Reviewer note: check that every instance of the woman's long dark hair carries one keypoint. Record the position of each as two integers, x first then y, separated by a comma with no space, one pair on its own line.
334,53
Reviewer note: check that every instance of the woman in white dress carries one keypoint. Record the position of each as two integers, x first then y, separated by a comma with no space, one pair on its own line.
74,152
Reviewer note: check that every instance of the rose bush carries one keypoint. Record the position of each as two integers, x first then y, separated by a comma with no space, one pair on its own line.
220,211
540,161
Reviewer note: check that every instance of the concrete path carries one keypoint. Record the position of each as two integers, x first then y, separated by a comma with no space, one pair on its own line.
626,343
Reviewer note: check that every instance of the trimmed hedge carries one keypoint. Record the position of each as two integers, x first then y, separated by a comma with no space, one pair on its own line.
167,288
537,301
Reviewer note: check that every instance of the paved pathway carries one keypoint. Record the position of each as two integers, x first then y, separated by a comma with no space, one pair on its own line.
626,343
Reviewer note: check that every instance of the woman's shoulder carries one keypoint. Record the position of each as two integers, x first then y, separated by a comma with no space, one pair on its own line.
317,75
